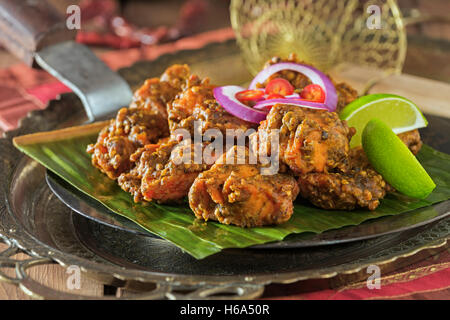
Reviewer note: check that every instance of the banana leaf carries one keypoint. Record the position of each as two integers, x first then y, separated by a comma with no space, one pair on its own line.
64,153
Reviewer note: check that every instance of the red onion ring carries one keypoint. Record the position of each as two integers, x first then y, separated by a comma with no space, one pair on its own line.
225,96
316,77
263,105
291,96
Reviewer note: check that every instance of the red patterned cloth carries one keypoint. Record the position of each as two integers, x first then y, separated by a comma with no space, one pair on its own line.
22,90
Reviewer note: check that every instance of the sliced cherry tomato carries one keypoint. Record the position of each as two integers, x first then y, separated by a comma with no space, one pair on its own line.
249,95
275,96
313,92
279,86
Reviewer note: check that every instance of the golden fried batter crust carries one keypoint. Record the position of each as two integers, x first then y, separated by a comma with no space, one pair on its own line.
238,194
361,186
159,174
144,122
132,128
156,93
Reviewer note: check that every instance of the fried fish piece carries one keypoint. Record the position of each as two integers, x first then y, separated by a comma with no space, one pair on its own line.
132,128
144,122
359,187
239,194
196,111
156,93
344,191
310,140
184,105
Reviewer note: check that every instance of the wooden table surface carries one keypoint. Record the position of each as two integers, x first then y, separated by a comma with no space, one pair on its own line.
53,276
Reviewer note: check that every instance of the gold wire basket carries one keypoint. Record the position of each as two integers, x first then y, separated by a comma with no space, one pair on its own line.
324,33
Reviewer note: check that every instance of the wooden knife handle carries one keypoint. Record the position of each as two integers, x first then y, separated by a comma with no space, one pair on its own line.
27,26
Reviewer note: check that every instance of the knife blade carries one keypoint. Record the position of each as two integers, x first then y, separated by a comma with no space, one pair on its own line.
101,90
36,32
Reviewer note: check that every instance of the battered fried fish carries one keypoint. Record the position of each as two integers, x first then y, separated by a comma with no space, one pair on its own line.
144,122
310,140
239,194
163,173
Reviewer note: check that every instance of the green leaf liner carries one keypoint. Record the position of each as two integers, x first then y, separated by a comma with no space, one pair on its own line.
65,155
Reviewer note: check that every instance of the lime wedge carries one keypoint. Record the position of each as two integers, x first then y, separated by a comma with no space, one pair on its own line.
398,113
394,161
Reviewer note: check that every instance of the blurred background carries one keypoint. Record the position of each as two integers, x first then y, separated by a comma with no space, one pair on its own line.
139,29
121,24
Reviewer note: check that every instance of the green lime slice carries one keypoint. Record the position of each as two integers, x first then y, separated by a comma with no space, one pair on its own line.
400,114
394,161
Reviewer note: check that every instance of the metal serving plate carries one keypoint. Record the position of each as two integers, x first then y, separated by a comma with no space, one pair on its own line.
34,220
92,209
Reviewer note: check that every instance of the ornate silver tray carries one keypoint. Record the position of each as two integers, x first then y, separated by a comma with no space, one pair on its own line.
34,220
